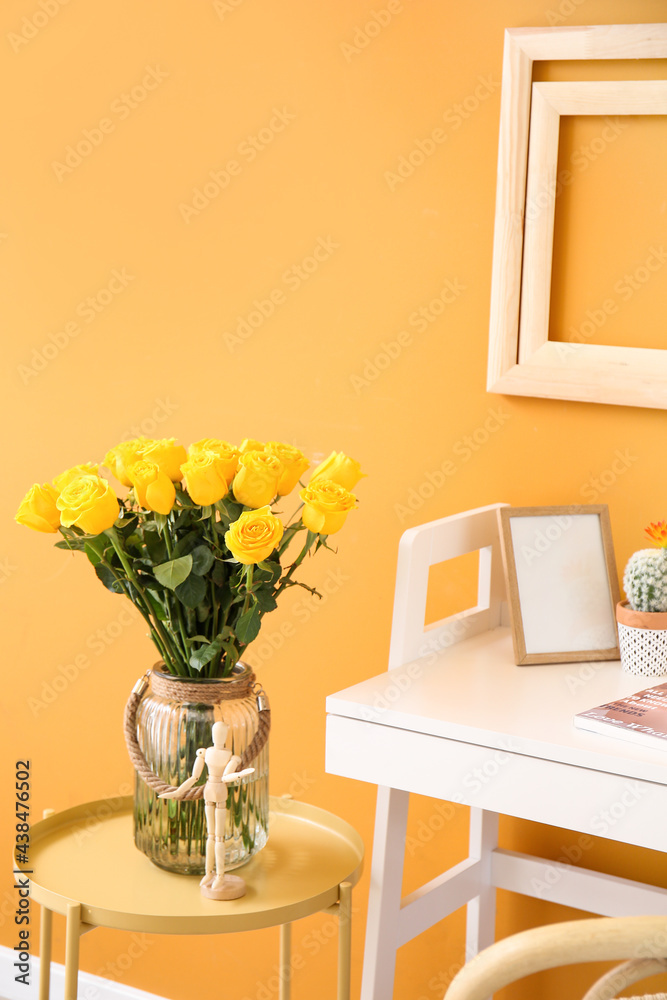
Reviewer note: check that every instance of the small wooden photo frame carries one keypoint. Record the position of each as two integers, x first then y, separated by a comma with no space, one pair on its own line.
562,584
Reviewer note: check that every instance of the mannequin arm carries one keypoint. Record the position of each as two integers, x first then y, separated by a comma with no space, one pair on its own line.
231,765
197,771
237,775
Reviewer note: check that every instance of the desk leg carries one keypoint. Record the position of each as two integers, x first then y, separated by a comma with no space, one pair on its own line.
481,911
72,950
344,940
46,925
285,972
384,901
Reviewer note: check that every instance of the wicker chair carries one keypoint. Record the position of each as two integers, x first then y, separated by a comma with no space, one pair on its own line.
642,940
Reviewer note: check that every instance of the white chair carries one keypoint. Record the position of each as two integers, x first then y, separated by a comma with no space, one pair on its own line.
392,920
594,940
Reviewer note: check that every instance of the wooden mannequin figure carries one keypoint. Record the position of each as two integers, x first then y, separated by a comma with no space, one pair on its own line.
221,767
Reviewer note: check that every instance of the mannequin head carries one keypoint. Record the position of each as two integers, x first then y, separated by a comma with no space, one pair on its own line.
219,733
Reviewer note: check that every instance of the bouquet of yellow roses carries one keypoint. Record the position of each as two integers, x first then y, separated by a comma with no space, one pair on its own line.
194,543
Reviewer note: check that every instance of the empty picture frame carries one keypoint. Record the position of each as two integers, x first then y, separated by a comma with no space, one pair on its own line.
561,583
522,361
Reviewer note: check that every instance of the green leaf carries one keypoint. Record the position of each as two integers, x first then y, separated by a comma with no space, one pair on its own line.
73,544
187,544
108,578
219,573
270,570
134,541
96,547
230,649
184,518
206,512
155,546
203,611
183,498
205,654
265,600
157,607
202,560
229,510
247,626
171,574
127,525
192,591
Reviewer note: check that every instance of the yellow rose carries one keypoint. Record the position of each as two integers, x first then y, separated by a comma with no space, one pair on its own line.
90,503
66,477
38,509
152,487
326,505
294,464
125,454
338,468
254,536
167,455
256,482
249,444
205,480
226,452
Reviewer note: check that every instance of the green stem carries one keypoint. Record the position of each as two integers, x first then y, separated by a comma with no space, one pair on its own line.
141,599
288,535
310,538
294,514
248,585
214,603
154,635
178,616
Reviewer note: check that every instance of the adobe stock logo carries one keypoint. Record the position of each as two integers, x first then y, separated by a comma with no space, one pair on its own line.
292,278
247,151
34,23
122,107
376,23
88,309
453,117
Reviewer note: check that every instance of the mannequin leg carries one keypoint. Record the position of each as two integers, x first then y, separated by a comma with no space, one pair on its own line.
210,843
220,821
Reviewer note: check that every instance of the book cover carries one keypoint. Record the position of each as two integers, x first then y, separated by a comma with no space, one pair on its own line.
640,718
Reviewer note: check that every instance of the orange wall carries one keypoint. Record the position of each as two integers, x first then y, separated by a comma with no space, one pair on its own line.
342,362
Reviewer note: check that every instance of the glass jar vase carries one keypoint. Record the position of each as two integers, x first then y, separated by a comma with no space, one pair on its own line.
173,720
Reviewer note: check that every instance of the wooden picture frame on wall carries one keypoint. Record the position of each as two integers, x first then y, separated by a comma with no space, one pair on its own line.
562,584
522,360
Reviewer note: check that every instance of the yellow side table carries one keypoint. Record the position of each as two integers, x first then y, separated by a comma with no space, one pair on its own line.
85,866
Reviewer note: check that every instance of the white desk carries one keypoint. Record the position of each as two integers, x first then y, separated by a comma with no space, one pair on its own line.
466,725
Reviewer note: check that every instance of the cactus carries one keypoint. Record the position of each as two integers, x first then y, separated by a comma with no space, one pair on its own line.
645,577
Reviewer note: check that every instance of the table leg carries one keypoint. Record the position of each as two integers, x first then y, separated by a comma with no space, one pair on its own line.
72,950
285,972
344,940
384,901
481,911
46,925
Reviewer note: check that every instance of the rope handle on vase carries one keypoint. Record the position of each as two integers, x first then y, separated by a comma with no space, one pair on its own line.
231,692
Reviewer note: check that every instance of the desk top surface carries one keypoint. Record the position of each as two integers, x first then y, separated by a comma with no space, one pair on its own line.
473,692
87,855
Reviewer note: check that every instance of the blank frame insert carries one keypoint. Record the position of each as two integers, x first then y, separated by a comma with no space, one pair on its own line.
561,583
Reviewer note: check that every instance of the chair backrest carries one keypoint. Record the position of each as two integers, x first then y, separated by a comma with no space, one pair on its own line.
432,543
596,939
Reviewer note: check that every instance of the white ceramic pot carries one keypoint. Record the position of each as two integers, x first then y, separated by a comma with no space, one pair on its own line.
642,638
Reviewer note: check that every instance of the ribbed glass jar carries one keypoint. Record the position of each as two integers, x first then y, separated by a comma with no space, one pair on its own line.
172,832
